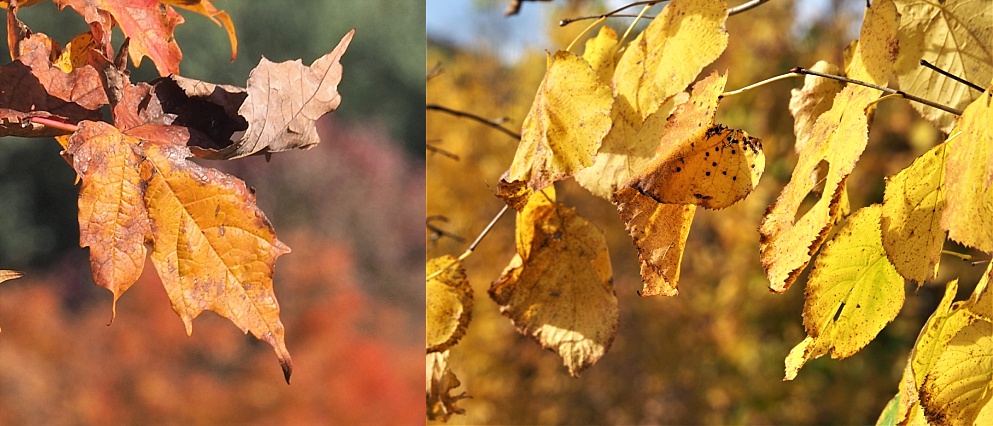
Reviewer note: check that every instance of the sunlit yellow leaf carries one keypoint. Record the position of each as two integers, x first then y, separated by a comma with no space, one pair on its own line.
77,53
961,382
440,382
968,216
648,84
659,233
813,99
448,304
788,240
562,132
600,53
558,288
699,162
669,54
913,203
954,35
220,17
853,292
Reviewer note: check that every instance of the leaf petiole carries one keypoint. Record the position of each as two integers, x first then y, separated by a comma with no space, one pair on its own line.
47,122
761,83
472,246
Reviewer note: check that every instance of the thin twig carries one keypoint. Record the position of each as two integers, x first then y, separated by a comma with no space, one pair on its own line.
492,123
435,149
744,6
952,76
901,93
434,72
437,233
472,246
567,21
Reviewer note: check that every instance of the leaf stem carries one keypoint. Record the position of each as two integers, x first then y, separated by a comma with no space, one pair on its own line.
472,246
581,33
952,76
901,93
47,122
745,6
761,83
631,27
492,123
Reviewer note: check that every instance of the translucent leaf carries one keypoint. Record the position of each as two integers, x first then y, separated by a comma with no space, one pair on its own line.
853,292
954,35
558,289
813,99
913,203
599,53
961,382
788,239
562,132
448,304
659,233
968,216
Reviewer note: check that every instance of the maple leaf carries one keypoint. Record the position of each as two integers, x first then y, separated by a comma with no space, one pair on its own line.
220,17
211,245
148,23
448,304
852,293
956,37
32,87
558,289
563,130
838,138
275,113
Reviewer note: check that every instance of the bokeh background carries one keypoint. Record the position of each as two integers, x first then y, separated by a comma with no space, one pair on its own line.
714,354
351,209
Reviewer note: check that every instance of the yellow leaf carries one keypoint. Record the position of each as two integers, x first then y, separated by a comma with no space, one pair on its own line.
558,288
212,246
562,132
960,384
599,53
813,99
666,57
968,216
440,381
77,53
648,84
448,304
838,138
853,292
113,221
956,36
913,203
698,162
659,233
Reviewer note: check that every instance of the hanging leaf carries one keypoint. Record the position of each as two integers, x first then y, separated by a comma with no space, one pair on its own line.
448,304
968,216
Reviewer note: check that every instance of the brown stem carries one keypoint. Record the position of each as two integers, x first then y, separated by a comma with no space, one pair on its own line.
47,122
952,76
900,93
491,123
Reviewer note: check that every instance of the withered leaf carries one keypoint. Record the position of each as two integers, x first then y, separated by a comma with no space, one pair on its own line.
440,382
113,221
558,289
31,84
211,245
659,232
275,113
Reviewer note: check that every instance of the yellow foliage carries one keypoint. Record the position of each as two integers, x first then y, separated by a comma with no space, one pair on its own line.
839,135
448,303
968,216
563,131
852,293
659,231
558,289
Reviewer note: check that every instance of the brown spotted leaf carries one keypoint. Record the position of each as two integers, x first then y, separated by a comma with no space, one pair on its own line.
659,232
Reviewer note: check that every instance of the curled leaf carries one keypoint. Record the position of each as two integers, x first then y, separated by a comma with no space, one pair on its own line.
558,288
659,232
562,132
441,404
448,304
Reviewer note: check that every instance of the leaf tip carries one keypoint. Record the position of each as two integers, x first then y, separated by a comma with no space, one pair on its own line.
287,365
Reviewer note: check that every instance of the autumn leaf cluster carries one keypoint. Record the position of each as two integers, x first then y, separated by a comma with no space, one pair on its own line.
141,195
618,121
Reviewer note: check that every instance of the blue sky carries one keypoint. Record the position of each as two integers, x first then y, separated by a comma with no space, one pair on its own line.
481,24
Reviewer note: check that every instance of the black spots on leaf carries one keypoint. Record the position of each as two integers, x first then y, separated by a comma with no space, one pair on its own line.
708,173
